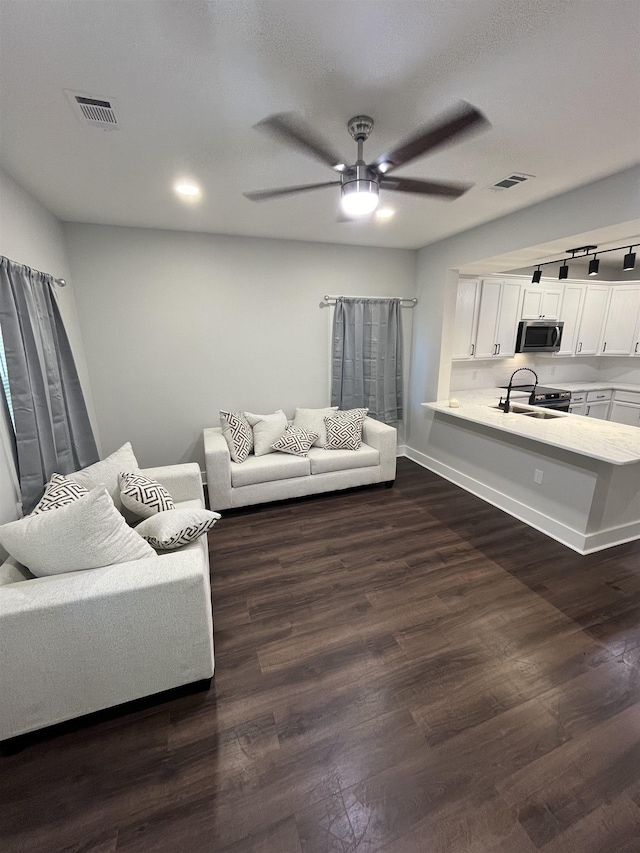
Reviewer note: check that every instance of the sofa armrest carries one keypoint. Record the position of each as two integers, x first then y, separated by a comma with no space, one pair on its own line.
218,465
81,641
385,439
183,482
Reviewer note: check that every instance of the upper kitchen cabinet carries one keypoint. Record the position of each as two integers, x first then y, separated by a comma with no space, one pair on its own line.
498,319
591,320
635,349
572,299
467,303
541,303
618,337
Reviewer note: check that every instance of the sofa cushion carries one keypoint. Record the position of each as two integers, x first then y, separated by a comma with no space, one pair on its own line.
264,469
174,528
142,496
238,434
313,421
105,473
323,460
267,429
11,571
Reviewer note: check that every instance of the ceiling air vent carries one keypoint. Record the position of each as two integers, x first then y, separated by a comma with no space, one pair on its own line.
94,111
512,180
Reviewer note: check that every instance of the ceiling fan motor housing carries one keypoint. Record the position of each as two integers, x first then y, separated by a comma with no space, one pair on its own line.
360,127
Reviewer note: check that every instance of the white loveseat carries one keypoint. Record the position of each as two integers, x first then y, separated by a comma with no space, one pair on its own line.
81,641
279,476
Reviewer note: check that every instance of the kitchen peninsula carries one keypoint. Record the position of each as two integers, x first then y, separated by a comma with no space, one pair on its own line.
574,478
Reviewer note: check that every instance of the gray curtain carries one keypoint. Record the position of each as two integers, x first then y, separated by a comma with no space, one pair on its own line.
366,357
53,432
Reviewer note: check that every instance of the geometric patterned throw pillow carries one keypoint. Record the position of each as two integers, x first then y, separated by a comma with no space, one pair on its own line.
238,434
168,530
142,496
295,441
344,429
58,492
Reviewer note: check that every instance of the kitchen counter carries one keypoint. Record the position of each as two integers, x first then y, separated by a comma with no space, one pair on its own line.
574,478
576,387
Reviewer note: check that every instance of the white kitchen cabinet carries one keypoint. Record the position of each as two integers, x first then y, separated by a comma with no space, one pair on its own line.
464,332
541,303
635,349
618,337
497,319
572,298
625,413
598,410
591,320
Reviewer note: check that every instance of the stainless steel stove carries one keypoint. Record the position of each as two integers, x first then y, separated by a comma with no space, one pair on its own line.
549,398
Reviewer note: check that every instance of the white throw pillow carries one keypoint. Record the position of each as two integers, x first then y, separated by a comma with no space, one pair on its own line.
267,429
176,527
312,420
105,473
86,534
59,492
295,441
142,496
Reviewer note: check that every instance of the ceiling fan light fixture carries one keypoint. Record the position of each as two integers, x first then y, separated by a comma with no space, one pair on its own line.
359,197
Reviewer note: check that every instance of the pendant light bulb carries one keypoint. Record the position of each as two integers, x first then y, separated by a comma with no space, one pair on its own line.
359,197
537,275
593,266
629,260
564,271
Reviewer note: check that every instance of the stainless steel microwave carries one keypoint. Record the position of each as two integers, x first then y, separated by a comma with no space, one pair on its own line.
539,336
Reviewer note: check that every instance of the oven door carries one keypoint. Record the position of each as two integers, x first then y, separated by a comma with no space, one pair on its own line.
555,405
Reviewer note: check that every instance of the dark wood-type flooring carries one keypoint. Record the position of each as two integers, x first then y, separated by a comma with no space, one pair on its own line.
405,670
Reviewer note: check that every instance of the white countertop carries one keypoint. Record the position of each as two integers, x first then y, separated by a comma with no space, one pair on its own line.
575,387
617,444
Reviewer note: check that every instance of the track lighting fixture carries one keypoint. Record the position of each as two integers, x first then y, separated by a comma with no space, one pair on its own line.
581,252
629,260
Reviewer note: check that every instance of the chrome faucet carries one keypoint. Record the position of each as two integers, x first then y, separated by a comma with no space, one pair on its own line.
505,405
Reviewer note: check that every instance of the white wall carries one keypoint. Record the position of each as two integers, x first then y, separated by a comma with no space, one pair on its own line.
31,235
180,325
605,202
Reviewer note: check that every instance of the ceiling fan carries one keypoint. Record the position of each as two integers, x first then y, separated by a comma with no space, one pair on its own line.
361,183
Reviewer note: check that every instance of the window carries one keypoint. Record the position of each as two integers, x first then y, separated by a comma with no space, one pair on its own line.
4,378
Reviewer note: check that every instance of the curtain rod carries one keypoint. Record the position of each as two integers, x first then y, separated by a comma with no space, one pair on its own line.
61,282
411,302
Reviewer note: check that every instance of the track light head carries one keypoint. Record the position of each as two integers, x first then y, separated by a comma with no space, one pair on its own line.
537,275
629,260
593,266
564,271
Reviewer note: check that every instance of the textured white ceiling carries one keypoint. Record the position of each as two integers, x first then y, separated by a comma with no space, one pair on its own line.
559,82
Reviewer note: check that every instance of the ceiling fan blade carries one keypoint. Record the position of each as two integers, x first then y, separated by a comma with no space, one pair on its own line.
462,120
413,185
265,195
290,128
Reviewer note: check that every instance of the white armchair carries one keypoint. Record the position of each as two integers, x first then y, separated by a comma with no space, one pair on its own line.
78,642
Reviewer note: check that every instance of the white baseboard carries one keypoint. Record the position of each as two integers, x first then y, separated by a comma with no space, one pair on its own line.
401,450
574,539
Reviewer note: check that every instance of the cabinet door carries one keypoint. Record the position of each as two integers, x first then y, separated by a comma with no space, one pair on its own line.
635,349
507,327
466,308
551,304
577,409
486,344
593,311
622,317
598,410
570,315
625,413
532,303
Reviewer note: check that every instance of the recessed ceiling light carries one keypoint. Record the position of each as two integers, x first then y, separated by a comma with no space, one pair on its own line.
187,190
385,213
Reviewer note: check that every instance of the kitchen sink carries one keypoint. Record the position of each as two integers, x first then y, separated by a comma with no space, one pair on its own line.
540,414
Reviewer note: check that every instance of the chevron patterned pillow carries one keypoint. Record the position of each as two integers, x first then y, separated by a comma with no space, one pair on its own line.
238,434
143,496
344,429
295,441
58,492
174,528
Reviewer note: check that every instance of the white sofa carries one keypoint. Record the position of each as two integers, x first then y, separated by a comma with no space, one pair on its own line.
78,642
279,476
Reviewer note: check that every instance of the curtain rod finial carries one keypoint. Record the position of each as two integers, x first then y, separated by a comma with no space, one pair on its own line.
61,282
